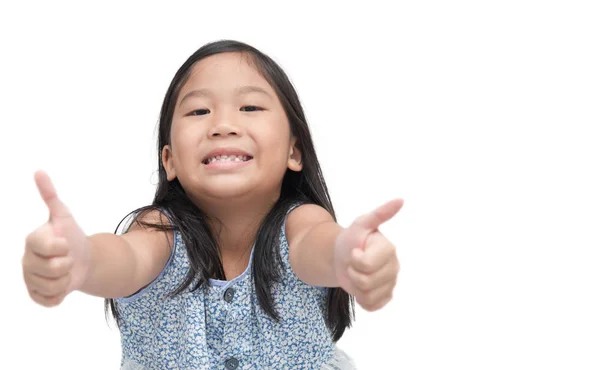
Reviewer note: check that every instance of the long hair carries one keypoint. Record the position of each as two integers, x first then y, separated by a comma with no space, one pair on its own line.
306,186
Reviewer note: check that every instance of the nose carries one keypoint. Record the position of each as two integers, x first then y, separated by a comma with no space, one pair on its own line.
224,127
223,130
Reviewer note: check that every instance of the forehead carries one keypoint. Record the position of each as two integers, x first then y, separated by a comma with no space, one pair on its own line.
225,71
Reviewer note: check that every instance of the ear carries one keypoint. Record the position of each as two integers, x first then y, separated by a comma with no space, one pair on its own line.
295,156
167,161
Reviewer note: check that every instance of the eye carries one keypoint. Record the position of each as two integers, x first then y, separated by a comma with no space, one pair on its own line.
198,112
250,108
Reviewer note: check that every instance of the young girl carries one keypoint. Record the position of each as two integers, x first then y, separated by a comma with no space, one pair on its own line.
238,263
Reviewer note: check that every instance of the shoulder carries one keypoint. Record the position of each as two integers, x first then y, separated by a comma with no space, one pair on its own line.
151,237
303,218
151,241
147,218
151,223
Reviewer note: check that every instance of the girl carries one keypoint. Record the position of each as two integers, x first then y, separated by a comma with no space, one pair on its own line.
238,262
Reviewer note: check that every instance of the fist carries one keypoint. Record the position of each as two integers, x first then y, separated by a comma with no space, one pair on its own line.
365,261
56,257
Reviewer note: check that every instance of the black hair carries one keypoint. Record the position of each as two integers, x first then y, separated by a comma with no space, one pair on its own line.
305,186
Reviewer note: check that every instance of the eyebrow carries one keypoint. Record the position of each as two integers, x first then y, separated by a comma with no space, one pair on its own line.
239,91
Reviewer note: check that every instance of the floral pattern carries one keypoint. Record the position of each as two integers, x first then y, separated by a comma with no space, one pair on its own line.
203,329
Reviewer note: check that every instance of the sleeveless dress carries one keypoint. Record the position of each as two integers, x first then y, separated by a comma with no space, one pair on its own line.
224,327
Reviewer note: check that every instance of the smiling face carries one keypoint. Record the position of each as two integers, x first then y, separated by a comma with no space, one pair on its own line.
230,136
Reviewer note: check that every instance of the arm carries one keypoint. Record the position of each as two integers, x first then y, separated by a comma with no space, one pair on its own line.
60,258
358,259
311,234
121,265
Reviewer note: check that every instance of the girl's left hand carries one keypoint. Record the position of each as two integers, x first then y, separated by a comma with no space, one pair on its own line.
365,262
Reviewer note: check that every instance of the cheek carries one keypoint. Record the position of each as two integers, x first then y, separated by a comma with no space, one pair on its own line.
274,146
186,144
275,133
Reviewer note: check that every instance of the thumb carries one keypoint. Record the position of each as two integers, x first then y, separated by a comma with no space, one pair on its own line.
57,208
372,220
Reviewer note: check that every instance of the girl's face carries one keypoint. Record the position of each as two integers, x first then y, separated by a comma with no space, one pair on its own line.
226,108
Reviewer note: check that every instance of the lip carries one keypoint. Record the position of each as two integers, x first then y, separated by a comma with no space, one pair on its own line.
226,151
226,166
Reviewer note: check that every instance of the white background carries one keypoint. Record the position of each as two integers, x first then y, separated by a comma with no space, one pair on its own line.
482,115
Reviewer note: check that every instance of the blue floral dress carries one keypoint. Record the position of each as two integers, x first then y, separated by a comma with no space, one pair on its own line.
224,327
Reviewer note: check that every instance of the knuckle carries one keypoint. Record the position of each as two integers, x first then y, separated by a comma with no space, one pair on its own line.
56,300
53,287
44,247
364,282
26,263
369,300
367,265
45,302
55,245
27,283
27,277
56,266
65,263
33,238
368,307
63,284
28,241
37,297
50,301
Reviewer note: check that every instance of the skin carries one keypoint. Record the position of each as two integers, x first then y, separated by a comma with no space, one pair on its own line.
224,103
251,121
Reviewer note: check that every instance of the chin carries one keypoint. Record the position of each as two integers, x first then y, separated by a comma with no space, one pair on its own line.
243,192
226,194
227,190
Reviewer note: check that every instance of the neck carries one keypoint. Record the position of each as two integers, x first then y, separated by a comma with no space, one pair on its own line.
235,222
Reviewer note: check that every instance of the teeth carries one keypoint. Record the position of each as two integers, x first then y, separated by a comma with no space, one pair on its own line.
228,158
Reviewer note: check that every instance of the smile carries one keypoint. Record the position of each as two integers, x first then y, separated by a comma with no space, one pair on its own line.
227,158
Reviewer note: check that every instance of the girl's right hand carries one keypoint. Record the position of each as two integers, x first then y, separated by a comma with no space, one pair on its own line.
57,254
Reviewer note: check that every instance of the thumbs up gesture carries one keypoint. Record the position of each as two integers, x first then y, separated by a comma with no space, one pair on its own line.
365,261
57,254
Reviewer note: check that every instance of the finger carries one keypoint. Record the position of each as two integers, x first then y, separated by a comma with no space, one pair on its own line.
377,253
46,301
364,283
43,243
377,298
372,220
48,287
56,207
52,268
377,306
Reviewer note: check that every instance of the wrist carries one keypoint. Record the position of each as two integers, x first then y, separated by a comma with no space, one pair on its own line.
83,266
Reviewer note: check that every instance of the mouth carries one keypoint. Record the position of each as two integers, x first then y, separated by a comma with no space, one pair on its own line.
227,158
